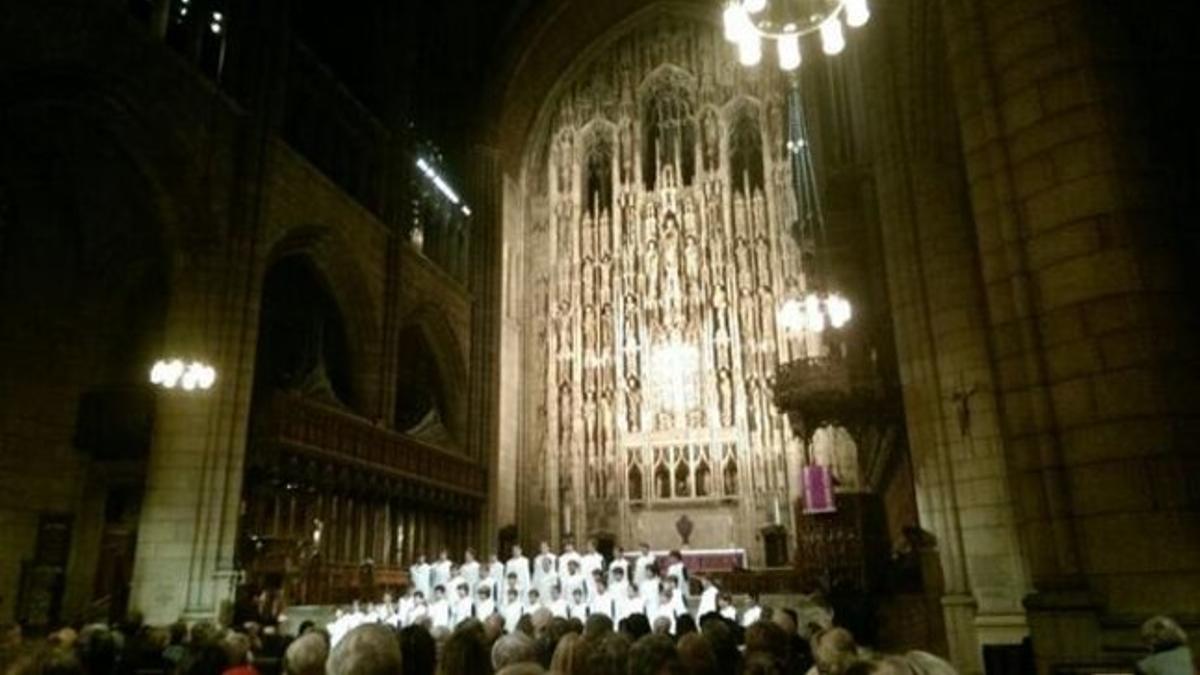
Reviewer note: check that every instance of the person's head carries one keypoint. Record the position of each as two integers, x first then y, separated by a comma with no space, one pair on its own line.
465,651
418,596
306,655
572,566
421,559
439,592
597,626
599,583
493,628
662,626
724,644
618,574
469,555
494,557
1161,633
577,596
764,636
534,596
555,592
785,619
418,650
566,659
516,550
618,552
591,546
684,624
370,649
645,548
484,593
653,655
204,658
676,556
443,554
512,579
762,663
635,626
547,563
464,591
522,669
568,546
514,648
544,547
651,571
237,648
833,650
697,655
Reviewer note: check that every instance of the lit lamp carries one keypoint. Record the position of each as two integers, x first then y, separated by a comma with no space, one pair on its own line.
749,23
176,373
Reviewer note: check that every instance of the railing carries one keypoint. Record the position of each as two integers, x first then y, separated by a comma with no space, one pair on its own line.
335,435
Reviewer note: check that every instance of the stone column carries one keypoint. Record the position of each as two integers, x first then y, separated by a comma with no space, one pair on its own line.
484,189
189,517
941,331
1084,259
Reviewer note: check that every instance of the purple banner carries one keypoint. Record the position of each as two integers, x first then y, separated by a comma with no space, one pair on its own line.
818,490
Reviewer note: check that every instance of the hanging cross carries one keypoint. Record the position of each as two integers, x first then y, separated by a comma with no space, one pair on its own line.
962,404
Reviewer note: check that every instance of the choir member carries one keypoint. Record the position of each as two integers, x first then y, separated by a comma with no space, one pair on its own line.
543,562
578,609
726,607
629,604
573,579
469,570
601,601
495,572
643,563
568,556
677,571
545,577
514,609
752,613
441,570
557,604
649,589
618,586
439,609
619,564
519,565
463,607
420,574
590,562
708,597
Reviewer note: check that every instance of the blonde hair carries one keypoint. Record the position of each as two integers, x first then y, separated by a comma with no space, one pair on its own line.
1161,632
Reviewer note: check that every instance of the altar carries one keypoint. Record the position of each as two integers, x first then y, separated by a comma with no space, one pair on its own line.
700,560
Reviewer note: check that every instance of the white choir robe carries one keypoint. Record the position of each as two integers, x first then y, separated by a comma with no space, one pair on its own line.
557,607
404,608
627,606
572,582
640,566
564,561
539,565
513,612
484,609
729,612
678,605
420,574
648,589
489,584
519,565
577,611
618,590
544,584
618,563
461,610
439,574
678,572
666,609
495,573
752,614
590,563
601,603
439,613
470,573
417,613
708,601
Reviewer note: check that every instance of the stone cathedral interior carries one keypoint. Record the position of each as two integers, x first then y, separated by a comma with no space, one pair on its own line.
868,324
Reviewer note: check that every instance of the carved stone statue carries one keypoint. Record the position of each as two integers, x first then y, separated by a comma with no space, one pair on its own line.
633,403
725,396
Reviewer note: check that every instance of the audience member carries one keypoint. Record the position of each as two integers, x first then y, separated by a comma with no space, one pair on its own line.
369,649
513,649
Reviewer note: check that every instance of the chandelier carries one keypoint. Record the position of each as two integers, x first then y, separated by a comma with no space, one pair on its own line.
177,373
814,312
748,23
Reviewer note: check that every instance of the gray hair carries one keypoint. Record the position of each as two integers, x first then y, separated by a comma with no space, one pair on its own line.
307,655
512,649
1162,632
366,650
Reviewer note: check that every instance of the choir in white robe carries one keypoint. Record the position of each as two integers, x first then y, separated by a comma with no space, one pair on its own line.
520,566
439,613
601,603
440,574
708,601
752,614
640,566
557,607
578,610
513,611
628,605
470,573
461,609
420,575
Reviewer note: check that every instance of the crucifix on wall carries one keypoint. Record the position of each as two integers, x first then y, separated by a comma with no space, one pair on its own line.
962,405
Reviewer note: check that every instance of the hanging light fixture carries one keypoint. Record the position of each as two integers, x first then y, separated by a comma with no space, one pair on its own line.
749,23
178,373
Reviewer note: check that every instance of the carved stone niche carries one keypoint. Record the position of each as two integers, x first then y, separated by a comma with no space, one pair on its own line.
834,390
